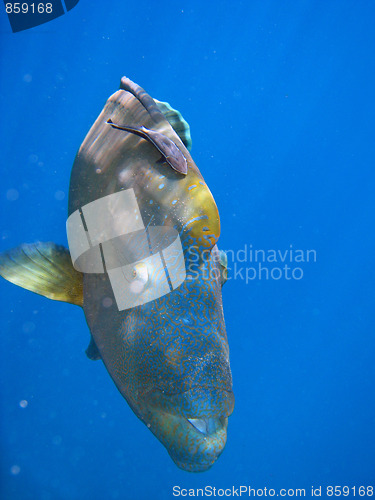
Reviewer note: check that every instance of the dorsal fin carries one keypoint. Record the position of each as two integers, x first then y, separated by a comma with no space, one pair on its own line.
179,124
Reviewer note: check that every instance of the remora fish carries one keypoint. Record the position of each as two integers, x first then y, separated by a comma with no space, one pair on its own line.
155,314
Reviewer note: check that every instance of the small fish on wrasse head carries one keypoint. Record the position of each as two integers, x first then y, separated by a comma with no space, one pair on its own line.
144,265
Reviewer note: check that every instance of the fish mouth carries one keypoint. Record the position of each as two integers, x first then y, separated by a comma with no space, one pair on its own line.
194,441
194,444
206,426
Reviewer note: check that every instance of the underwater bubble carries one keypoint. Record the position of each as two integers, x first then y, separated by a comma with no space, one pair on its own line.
27,78
23,403
33,158
28,327
57,440
107,302
15,469
12,195
59,195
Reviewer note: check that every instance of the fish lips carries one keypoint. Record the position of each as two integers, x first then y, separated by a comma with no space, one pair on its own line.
193,440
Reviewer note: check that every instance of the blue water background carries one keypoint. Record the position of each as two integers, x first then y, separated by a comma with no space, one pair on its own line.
280,100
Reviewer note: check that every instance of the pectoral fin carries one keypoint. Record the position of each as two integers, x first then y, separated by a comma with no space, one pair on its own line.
223,261
43,268
92,352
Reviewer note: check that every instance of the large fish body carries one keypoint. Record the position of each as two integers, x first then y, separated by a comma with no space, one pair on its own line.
168,356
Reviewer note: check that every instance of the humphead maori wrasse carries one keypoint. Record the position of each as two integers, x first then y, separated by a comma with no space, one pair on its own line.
144,265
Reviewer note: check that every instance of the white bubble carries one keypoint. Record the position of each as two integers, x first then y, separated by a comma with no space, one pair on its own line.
15,469
23,403
12,195
104,415
27,78
107,302
33,158
28,327
59,195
